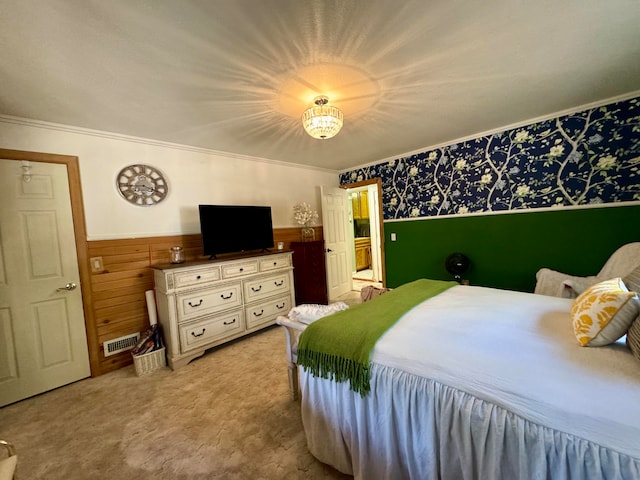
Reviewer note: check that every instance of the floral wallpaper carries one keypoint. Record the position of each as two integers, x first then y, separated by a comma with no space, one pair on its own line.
588,157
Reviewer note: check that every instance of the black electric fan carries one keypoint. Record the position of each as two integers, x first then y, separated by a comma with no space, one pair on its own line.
457,264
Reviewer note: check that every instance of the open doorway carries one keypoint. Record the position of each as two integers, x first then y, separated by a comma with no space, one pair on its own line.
365,221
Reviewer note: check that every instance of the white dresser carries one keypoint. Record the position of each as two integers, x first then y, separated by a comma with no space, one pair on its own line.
204,304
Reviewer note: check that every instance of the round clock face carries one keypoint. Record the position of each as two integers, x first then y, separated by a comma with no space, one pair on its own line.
142,185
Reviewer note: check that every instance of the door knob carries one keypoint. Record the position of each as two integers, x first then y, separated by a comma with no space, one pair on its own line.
329,250
69,286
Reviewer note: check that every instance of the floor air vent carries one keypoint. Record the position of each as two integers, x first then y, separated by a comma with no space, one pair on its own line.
121,344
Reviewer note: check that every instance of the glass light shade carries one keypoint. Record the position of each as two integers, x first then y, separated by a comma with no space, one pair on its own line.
322,121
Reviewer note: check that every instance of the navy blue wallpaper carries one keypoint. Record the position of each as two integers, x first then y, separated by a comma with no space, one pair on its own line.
587,157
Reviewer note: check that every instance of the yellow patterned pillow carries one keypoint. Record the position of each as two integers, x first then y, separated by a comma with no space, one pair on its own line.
603,313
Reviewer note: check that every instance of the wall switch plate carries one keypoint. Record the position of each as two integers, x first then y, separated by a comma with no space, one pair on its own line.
393,237
96,264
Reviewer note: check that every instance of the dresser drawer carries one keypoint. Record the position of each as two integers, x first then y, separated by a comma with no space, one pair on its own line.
196,277
262,313
272,263
195,304
238,269
266,287
206,331
203,304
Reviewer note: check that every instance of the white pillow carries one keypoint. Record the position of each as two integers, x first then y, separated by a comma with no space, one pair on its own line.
603,313
308,313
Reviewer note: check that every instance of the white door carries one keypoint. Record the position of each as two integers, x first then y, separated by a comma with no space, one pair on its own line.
43,341
374,228
335,227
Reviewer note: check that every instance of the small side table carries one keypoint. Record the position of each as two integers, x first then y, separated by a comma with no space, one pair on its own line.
292,331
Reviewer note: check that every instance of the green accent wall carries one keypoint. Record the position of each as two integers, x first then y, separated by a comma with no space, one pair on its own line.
506,250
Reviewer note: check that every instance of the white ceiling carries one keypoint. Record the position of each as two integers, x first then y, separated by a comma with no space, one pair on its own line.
235,75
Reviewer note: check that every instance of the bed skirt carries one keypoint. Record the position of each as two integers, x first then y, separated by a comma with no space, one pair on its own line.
448,434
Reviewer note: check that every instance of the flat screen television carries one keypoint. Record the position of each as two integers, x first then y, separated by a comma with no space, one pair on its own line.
235,228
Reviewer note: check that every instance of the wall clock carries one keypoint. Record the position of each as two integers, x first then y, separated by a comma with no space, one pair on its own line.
142,185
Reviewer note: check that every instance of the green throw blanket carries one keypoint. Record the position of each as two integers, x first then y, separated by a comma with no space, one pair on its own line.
338,347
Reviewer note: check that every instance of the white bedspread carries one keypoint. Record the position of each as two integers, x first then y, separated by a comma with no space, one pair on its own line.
482,383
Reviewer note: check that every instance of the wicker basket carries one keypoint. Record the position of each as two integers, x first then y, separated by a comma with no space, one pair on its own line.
149,362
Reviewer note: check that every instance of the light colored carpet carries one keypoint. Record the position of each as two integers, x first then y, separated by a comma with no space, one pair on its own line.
360,284
226,415
353,297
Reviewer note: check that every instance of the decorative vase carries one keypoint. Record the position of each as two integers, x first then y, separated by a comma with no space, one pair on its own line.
177,255
308,234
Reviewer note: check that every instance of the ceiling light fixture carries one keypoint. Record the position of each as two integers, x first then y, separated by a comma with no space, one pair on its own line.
322,121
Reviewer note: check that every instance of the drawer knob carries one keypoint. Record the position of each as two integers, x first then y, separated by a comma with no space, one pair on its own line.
256,314
280,307
231,322
194,305
199,334
275,263
279,284
198,277
226,298
241,269
256,289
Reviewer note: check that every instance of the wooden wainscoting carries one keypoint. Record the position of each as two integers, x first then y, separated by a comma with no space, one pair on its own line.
118,302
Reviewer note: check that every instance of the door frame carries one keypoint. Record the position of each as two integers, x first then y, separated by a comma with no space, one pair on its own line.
80,234
378,182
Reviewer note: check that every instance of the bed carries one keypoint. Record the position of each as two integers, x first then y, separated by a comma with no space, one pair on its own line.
479,383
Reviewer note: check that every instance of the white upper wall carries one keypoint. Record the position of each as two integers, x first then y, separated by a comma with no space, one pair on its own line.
195,177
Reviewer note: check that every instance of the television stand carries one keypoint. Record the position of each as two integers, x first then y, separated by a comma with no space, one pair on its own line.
208,303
